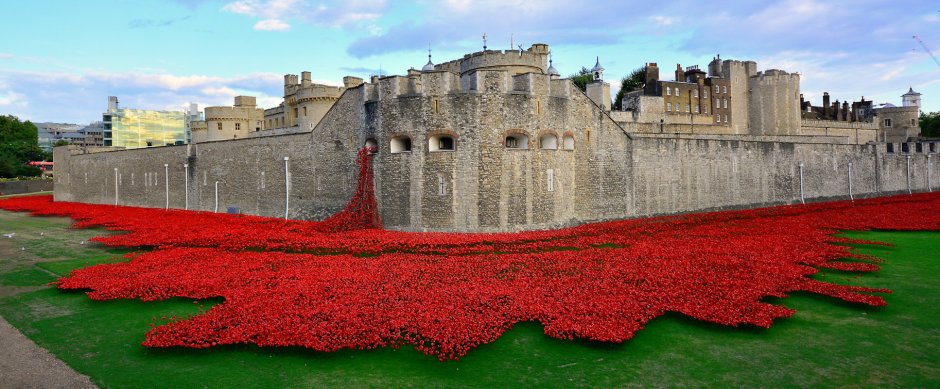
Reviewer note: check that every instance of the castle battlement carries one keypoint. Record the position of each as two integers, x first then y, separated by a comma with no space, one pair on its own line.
534,60
316,92
225,112
440,83
777,74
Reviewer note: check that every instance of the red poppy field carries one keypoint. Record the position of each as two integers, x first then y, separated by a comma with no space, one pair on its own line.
295,283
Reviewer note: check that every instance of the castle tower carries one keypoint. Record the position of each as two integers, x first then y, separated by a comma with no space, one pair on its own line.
738,73
714,67
826,105
910,99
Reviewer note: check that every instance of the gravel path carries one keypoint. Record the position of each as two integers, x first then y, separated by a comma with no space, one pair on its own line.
23,364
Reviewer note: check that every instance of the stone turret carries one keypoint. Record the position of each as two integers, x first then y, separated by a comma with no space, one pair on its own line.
598,90
598,70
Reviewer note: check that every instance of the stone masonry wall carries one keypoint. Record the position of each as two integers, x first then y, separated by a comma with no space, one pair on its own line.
482,185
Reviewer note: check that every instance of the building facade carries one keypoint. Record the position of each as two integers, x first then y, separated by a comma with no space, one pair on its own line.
135,128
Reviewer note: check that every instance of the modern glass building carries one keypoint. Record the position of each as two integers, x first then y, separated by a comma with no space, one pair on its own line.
135,128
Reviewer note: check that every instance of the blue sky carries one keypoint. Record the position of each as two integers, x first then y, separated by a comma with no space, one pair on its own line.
59,60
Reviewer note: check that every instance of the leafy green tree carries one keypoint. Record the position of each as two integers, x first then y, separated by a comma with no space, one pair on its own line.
60,142
19,144
636,80
582,78
930,124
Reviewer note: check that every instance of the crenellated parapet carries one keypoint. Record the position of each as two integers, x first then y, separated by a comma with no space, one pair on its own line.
317,92
532,60
442,83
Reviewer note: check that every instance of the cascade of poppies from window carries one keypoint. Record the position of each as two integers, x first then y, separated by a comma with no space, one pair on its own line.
362,211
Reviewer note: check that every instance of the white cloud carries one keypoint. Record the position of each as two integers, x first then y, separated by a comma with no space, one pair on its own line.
663,21
242,7
7,56
277,15
271,25
10,98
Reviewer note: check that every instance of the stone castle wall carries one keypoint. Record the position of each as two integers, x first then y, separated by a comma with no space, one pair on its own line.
482,185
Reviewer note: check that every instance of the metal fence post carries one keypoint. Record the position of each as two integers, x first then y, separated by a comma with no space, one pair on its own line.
166,183
802,196
909,175
286,187
115,186
186,183
851,197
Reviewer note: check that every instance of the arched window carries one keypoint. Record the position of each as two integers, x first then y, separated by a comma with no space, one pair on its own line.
517,141
568,142
441,142
548,142
371,144
668,91
668,107
400,144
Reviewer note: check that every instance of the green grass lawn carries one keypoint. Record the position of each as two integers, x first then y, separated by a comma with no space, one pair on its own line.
827,343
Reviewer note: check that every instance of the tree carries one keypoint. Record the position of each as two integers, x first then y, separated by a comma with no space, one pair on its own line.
19,144
60,142
636,80
930,124
582,78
